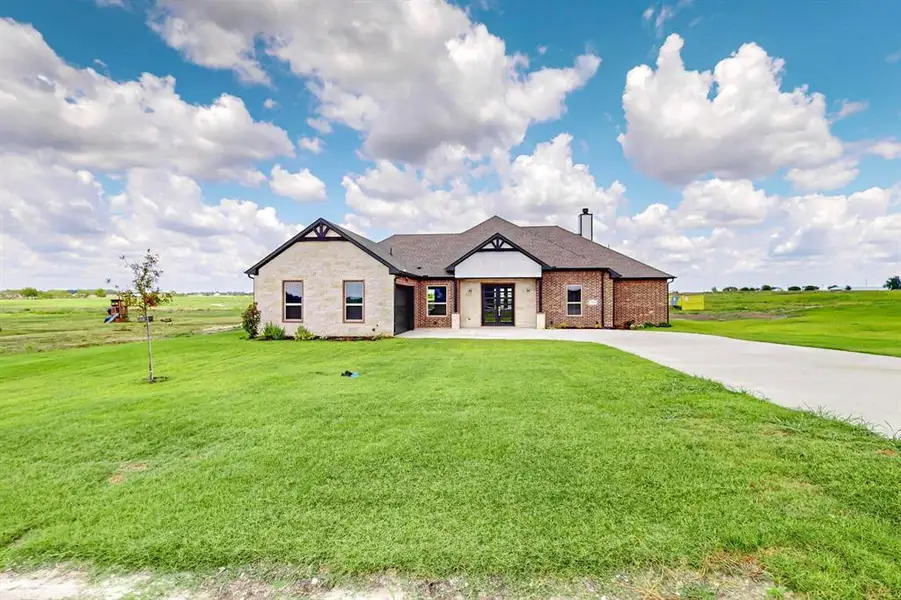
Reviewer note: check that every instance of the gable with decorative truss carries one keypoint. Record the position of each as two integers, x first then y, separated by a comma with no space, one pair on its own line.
324,231
496,257
496,244
321,231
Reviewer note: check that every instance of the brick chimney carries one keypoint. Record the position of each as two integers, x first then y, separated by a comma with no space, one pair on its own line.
586,219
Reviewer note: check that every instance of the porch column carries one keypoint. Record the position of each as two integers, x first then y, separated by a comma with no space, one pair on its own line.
540,319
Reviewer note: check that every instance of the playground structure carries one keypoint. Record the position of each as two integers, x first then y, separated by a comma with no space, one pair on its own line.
117,312
687,301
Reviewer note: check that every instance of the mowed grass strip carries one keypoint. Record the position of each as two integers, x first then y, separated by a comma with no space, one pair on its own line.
856,321
518,459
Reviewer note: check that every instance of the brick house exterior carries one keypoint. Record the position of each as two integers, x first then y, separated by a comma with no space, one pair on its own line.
421,318
496,274
640,301
596,285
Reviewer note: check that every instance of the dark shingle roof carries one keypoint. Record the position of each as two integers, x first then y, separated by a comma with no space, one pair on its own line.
430,254
595,253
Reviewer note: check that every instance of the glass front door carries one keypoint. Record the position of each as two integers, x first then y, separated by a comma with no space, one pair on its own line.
497,304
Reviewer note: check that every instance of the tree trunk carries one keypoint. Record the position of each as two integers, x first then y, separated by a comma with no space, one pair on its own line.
149,347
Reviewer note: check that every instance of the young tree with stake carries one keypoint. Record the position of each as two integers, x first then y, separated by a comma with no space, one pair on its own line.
144,293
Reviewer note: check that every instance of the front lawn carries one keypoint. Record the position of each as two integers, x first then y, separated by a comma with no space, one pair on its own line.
519,459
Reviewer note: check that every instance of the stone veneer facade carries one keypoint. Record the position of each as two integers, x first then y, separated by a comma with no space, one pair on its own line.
323,266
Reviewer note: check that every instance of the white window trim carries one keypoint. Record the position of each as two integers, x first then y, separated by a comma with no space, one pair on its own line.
427,303
568,303
286,304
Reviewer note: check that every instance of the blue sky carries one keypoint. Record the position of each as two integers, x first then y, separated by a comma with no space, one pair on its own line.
773,175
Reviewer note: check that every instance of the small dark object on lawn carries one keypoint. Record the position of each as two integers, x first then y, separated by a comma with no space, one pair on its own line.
149,318
166,319
349,374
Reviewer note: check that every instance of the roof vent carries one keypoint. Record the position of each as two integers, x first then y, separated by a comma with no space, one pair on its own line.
586,222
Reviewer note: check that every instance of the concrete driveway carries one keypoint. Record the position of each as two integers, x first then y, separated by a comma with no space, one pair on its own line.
846,384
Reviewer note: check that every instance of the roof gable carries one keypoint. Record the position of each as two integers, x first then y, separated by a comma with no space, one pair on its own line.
322,230
496,243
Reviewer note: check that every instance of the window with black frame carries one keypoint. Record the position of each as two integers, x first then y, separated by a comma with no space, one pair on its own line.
574,300
353,301
436,297
293,301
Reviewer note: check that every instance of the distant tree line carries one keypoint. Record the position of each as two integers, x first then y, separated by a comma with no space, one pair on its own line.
892,283
33,293
771,288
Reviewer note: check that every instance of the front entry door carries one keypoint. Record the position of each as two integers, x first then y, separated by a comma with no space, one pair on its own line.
497,304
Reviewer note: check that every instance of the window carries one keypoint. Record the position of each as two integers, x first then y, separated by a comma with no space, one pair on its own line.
436,296
293,300
574,300
353,301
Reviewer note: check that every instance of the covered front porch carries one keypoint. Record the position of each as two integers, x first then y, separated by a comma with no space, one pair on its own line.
499,302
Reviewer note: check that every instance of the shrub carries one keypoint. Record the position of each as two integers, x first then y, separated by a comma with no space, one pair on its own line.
794,288
303,334
250,320
273,332
811,288
381,336
766,288
730,288
847,288
664,324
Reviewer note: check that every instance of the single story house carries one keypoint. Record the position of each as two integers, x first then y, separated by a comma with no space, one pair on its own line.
337,283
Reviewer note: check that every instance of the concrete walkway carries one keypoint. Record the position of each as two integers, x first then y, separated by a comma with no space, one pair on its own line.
846,384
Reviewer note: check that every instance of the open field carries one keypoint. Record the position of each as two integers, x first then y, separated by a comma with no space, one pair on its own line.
46,324
514,459
857,321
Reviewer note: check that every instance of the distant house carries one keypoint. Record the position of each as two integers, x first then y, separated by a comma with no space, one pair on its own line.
497,274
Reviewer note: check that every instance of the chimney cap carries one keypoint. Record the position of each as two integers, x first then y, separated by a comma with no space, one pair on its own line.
584,211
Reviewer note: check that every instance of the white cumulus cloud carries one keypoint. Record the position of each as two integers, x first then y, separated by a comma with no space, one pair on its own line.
83,119
545,187
733,122
410,76
313,145
83,229
302,186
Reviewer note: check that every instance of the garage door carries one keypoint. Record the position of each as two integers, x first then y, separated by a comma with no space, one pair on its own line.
403,308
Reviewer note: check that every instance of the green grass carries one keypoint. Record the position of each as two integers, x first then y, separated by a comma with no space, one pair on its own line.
47,324
515,459
857,321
